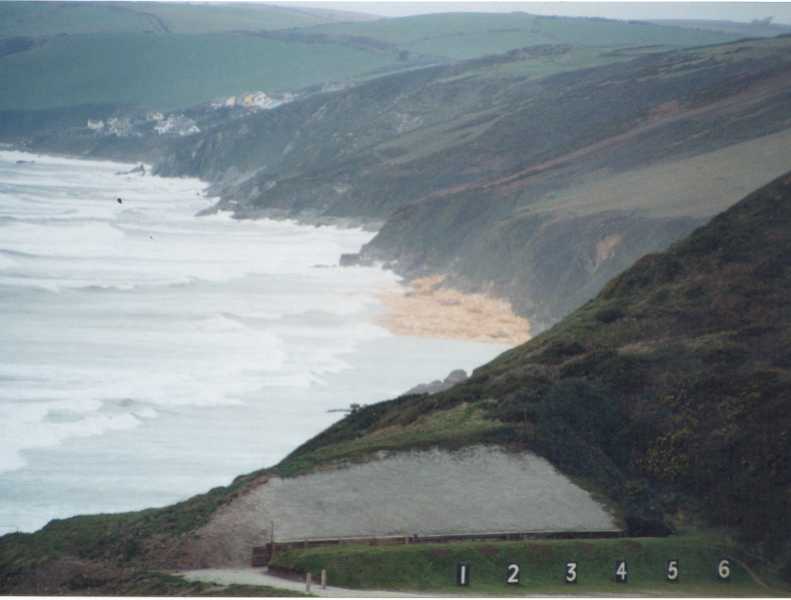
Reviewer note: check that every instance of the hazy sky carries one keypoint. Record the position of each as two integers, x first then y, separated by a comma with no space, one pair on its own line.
731,11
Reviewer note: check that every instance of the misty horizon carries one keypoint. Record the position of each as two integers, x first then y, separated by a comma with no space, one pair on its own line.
745,12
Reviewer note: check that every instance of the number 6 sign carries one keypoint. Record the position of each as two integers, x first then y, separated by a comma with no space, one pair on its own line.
724,570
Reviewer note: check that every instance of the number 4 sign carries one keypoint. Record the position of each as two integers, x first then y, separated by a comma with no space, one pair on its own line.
621,572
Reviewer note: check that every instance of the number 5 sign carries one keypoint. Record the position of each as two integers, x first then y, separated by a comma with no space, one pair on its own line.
672,571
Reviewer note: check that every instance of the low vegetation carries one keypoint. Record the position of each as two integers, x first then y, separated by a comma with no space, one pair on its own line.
114,547
398,427
432,567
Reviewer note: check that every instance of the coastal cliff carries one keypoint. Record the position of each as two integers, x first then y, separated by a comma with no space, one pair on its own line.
666,395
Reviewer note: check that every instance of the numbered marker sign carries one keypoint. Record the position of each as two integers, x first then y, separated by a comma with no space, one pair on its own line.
672,572
621,572
571,572
463,573
724,570
512,574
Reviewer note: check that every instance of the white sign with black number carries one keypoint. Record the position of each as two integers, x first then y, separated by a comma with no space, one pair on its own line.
724,570
512,574
672,570
571,572
621,572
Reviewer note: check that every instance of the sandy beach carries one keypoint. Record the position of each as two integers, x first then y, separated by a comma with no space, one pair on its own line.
425,308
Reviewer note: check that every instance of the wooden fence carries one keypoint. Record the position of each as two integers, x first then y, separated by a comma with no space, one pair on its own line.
262,555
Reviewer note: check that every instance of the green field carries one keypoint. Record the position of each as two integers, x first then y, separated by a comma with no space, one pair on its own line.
169,56
52,18
167,71
468,35
432,567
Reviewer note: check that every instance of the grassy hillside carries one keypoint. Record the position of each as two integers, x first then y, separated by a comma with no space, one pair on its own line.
753,29
484,170
112,553
487,121
669,391
52,18
468,35
166,56
166,71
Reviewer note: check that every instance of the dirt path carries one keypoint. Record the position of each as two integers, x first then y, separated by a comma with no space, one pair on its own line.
752,573
252,576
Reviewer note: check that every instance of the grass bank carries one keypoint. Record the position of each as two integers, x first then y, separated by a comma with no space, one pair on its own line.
432,567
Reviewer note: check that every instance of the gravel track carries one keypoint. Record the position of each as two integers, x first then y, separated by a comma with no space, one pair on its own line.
261,577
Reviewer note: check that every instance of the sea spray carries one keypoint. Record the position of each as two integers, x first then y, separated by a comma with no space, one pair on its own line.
148,354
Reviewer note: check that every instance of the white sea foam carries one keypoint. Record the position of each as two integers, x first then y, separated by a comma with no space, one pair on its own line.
140,334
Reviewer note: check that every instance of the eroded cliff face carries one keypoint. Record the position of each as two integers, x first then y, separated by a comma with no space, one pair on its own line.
545,264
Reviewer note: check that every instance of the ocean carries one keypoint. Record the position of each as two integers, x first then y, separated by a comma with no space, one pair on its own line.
148,354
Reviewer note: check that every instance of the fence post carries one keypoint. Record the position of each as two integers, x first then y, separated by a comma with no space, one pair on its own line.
324,579
308,581
272,540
